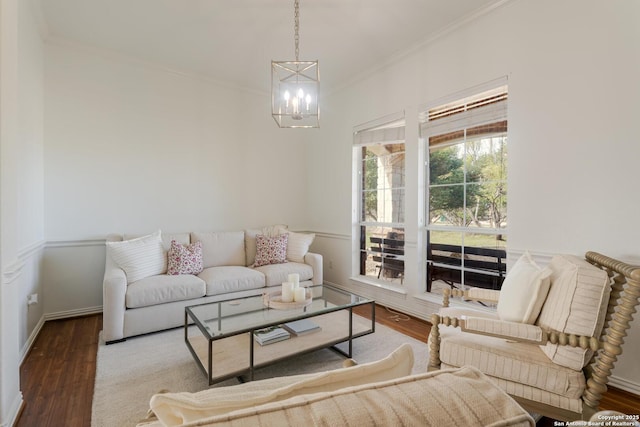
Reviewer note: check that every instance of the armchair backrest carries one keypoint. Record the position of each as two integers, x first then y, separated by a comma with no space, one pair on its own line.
623,300
576,304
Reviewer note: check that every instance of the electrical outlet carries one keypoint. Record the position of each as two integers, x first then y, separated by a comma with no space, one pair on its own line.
32,299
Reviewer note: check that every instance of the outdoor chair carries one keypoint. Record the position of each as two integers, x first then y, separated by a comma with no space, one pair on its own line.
386,252
555,337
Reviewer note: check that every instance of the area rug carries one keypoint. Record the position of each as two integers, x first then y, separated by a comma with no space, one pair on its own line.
129,373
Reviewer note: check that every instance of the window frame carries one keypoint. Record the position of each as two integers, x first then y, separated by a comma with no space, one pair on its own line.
485,112
384,131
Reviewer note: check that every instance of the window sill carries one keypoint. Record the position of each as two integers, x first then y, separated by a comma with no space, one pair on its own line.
376,284
454,302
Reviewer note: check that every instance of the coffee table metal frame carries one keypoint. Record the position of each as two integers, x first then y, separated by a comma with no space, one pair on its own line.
327,299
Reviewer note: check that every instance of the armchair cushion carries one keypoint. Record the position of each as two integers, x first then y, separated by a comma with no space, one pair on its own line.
576,304
516,362
523,292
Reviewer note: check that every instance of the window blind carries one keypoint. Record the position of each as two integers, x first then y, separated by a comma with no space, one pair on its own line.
483,114
386,130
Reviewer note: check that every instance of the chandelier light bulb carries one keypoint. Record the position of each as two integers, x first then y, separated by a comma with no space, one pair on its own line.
287,95
308,100
300,93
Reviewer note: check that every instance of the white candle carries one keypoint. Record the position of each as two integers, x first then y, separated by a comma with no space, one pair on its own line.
300,294
287,292
295,279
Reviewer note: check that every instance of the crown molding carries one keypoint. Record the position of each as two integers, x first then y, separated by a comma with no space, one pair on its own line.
416,47
115,55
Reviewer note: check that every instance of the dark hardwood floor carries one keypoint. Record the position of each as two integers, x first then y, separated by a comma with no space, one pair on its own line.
57,376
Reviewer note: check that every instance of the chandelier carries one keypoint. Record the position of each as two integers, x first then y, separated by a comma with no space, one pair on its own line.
294,88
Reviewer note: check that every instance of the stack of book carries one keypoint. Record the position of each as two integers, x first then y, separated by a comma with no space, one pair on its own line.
270,335
301,327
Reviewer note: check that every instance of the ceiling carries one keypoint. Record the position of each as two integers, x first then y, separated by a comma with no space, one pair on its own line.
234,41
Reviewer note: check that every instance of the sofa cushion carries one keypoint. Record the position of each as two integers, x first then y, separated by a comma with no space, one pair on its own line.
276,274
576,304
224,279
524,291
250,239
298,245
271,250
510,361
179,408
184,259
162,289
139,258
461,397
221,248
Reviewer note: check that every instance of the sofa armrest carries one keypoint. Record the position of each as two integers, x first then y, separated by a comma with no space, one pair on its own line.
114,290
315,261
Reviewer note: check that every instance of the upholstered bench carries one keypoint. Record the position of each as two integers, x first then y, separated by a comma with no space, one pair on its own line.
382,393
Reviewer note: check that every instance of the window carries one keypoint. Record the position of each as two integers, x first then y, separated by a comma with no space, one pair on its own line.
379,159
466,174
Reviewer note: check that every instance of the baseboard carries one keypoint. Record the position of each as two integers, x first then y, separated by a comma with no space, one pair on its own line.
73,313
14,411
625,385
32,338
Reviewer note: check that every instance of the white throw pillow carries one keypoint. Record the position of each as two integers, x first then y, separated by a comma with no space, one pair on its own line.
524,291
298,246
139,258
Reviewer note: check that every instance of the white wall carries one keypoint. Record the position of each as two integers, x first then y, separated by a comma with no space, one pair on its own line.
573,89
131,148
21,192
29,171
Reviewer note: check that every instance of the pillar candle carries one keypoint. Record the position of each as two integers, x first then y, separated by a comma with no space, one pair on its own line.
295,279
287,292
300,294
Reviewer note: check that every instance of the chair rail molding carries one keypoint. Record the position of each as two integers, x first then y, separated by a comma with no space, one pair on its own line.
31,249
74,243
13,272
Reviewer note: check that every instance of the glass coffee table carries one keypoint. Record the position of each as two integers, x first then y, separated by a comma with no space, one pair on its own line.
222,342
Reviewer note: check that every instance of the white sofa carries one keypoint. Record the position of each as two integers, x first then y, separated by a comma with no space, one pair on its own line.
156,302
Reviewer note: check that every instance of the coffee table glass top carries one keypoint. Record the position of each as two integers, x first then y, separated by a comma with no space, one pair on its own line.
218,320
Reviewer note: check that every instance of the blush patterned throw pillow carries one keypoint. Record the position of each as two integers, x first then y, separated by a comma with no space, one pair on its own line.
184,259
271,250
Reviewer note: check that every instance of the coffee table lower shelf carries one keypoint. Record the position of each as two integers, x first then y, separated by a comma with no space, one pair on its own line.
231,356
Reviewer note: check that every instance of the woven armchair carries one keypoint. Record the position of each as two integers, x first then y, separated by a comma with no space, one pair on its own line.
559,364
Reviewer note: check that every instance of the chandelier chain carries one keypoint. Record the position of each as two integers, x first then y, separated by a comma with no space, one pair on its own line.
297,27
